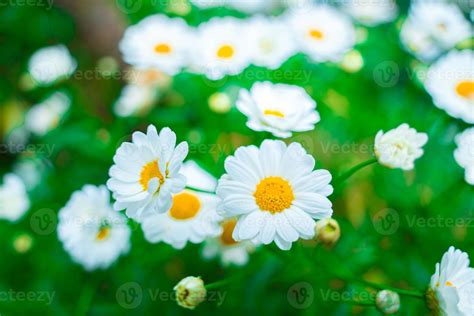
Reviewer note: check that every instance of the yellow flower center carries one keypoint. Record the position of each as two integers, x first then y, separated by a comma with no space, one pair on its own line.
465,89
150,171
274,113
316,34
228,229
225,52
449,284
185,206
103,233
163,48
274,194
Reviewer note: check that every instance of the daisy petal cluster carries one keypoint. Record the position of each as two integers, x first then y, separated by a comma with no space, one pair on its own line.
91,231
450,82
371,13
278,108
399,147
50,64
464,153
146,173
274,193
14,201
433,27
451,291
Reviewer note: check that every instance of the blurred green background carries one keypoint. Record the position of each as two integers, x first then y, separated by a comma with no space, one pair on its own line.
353,107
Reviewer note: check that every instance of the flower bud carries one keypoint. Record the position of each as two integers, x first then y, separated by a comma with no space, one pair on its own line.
328,231
190,292
388,302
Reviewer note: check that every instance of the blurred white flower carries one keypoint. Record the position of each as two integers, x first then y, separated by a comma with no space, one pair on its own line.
274,193
190,292
251,6
135,99
229,251
450,82
270,40
278,108
45,116
198,178
399,147
204,4
222,49
14,201
322,32
49,64
146,173
464,153
371,12
433,27
91,232
451,291
158,42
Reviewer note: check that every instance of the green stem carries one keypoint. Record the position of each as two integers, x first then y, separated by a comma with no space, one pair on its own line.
411,293
217,284
361,303
85,299
353,170
199,190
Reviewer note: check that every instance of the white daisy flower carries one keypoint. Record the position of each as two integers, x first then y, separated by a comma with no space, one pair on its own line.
14,201
371,12
45,116
400,147
135,99
198,178
451,291
158,42
91,232
278,108
322,32
275,193
450,82
229,251
49,64
433,27
222,49
271,41
191,218
146,173
464,153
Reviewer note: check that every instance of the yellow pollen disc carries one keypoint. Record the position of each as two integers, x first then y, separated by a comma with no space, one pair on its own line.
228,229
163,48
465,89
274,113
316,34
150,171
274,194
225,52
103,233
185,206
449,284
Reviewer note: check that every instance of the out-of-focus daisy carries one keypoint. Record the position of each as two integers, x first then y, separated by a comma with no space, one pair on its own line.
433,27
278,108
229,251
50,64
251,6
464,153
222,48
146,173
371,13
193,215
45,116
451,291
399,147
158,42
14,201
450,82
274,193
91,232
271,41
191,218
204,4
135,99
322,32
